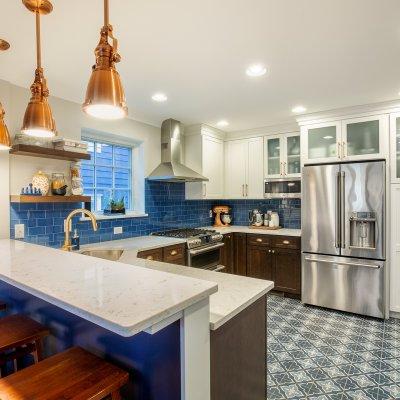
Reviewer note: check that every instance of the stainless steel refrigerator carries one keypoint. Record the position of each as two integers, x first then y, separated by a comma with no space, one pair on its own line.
343,237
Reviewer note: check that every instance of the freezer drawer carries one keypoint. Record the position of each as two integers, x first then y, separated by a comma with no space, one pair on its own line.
342,283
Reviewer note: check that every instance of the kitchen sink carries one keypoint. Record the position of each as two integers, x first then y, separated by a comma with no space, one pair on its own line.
112,255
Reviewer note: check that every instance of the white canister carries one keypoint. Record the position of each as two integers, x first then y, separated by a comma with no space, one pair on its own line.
274,220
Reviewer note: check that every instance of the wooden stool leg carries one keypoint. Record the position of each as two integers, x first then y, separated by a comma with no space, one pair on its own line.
38,352
116,395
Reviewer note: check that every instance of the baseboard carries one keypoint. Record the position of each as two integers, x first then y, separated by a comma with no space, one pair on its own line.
395,314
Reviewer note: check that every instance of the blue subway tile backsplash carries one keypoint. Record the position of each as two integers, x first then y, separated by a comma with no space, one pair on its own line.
166,208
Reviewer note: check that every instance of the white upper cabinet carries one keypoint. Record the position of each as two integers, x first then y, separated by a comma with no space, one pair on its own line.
205,154
244,168
282,156
363,138
321,142
395,147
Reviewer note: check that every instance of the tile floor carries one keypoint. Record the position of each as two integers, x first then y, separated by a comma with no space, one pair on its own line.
314,353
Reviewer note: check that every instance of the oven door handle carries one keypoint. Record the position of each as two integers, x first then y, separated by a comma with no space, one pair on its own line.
205,249
218,268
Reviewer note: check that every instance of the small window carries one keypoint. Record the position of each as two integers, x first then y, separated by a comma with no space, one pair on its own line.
108,174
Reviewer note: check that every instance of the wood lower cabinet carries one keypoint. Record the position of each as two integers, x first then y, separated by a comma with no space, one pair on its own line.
287,270
227,256
259,262
175,254
240,253
275,258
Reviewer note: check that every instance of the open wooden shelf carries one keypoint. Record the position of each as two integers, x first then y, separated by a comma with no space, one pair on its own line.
44,152
16,198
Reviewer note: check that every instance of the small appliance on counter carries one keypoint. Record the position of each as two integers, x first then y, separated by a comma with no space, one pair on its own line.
256,218
222,216
268,221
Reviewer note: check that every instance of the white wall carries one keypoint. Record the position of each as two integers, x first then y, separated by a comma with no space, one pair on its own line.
17,171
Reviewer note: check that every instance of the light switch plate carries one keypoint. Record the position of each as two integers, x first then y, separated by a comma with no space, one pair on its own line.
19,231
118,230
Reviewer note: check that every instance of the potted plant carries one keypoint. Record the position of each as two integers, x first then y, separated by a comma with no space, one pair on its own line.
115,207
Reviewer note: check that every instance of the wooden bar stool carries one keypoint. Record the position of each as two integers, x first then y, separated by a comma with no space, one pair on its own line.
74,374
19,336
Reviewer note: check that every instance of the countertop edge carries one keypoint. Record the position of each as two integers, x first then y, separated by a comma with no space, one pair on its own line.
216,325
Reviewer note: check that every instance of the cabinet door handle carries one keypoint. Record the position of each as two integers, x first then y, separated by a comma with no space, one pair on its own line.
204,190
344,150
243,190
284,169
286,242
338,150
259,240
150,258
173,253
281,169
247,190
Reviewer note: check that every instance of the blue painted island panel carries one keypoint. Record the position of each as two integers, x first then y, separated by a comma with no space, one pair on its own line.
153,361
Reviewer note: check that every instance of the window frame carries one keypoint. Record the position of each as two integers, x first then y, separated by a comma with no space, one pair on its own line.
113,166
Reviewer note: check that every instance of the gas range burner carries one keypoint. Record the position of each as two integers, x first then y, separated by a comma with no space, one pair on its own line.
184,233
195,237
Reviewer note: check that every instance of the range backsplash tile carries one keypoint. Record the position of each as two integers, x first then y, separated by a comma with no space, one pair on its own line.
165,205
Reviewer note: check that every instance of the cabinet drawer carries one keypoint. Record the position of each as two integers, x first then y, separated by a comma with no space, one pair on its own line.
153,255
258,240
286,242
174,254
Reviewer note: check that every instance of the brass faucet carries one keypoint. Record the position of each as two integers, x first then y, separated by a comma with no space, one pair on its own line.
67,239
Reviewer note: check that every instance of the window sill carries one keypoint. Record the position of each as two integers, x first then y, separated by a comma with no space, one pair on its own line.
128,214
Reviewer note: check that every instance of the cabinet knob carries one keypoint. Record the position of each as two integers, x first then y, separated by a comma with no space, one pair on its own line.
173,253
150,258
259,240
269,251
273,251
286,242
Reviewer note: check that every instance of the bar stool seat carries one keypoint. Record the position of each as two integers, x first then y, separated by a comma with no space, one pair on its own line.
74,374
20,335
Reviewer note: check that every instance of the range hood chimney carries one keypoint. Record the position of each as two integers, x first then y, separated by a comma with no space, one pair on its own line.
171,168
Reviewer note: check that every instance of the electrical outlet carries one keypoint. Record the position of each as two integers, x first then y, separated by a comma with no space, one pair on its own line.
118,230
211,213
19,231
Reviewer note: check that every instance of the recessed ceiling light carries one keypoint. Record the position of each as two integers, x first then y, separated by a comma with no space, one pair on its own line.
256,70
299,109
223,123
159,97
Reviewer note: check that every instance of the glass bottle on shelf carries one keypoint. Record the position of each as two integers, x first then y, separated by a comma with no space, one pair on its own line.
58,185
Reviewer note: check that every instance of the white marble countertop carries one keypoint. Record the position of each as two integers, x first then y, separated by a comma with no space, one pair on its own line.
235,292
125,299
246,229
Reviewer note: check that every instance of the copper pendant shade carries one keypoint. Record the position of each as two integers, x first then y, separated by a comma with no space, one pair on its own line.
38,120
5,141
105,97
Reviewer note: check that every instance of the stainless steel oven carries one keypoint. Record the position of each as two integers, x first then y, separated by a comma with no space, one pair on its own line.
206,257
282,188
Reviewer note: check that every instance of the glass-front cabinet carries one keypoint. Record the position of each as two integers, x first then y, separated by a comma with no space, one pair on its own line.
395,147
321,142
364,138
282,156
346,140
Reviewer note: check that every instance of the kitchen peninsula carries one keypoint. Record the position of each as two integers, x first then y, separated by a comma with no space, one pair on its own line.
151,318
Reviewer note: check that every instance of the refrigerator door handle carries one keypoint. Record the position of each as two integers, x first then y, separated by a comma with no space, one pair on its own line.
350,264
337,212
343,210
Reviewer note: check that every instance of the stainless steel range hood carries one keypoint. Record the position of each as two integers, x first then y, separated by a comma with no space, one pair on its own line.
171,168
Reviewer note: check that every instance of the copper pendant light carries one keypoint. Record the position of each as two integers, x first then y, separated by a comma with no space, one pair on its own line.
105,96
38,119
5,141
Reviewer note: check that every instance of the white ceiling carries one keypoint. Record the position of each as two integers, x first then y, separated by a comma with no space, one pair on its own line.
322,54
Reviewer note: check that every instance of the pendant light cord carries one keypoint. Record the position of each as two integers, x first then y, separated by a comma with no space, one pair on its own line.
38,46
106,13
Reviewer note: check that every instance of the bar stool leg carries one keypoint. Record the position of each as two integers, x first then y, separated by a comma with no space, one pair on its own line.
38,352
116,395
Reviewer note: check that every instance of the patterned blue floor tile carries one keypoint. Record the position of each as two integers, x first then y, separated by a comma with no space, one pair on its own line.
319,354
